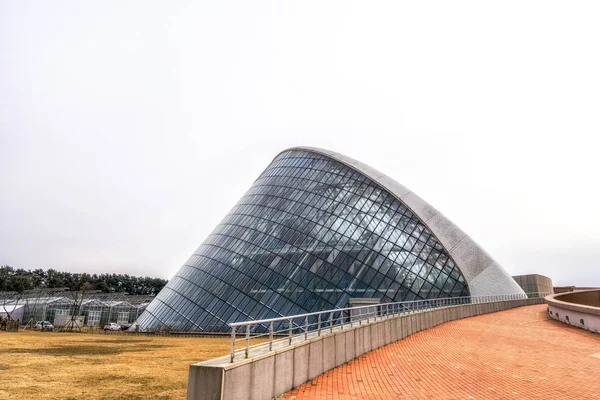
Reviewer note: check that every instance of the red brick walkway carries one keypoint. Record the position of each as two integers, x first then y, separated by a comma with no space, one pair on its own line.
514,354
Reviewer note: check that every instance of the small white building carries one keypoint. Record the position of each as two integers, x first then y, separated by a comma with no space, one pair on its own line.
14,311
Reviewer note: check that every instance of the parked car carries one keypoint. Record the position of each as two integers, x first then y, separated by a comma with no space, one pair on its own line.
124,327
44,326
112,327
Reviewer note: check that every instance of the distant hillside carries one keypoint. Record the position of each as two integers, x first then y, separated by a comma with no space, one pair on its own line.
18,280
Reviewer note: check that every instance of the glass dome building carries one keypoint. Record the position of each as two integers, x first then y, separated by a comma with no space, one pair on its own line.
314,230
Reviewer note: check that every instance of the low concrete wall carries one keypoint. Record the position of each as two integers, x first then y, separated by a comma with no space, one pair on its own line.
579,308
271,374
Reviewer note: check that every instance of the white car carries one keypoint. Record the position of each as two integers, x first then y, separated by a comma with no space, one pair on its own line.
112,327
44,326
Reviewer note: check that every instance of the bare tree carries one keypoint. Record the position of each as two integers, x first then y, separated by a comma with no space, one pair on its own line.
77,298
32,304
6,299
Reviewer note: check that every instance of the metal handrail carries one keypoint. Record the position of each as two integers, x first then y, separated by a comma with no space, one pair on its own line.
383,310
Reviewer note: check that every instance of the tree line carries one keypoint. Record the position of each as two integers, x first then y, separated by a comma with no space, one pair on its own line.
20,280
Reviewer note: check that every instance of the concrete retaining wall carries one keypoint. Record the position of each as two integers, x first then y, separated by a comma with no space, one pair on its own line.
269,375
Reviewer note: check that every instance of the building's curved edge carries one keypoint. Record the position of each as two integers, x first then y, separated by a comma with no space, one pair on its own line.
584,301
580,308
483,274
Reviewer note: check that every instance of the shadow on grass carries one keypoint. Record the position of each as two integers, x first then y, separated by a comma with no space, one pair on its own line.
119,341
134,380
82,350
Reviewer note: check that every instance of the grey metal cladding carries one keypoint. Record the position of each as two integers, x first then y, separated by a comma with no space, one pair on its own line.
471,258
394,187
493,280
420,207
446,231
483,274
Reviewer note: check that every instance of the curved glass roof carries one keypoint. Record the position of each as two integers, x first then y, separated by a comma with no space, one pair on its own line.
310,234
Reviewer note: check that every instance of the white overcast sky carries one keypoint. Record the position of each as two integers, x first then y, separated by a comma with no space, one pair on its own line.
129,129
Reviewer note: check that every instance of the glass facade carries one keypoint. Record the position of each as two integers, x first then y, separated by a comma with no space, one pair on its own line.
310,234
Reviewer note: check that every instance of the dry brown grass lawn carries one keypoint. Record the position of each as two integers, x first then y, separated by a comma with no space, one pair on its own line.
36,365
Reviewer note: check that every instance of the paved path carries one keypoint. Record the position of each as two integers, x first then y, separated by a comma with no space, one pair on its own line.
514,354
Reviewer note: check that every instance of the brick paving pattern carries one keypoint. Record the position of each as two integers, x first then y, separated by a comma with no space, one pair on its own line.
514,354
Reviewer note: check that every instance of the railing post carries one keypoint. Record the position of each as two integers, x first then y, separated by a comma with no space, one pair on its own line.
331,321
342,320
306,327
232,343
247,340
319,325
271,336
290,332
